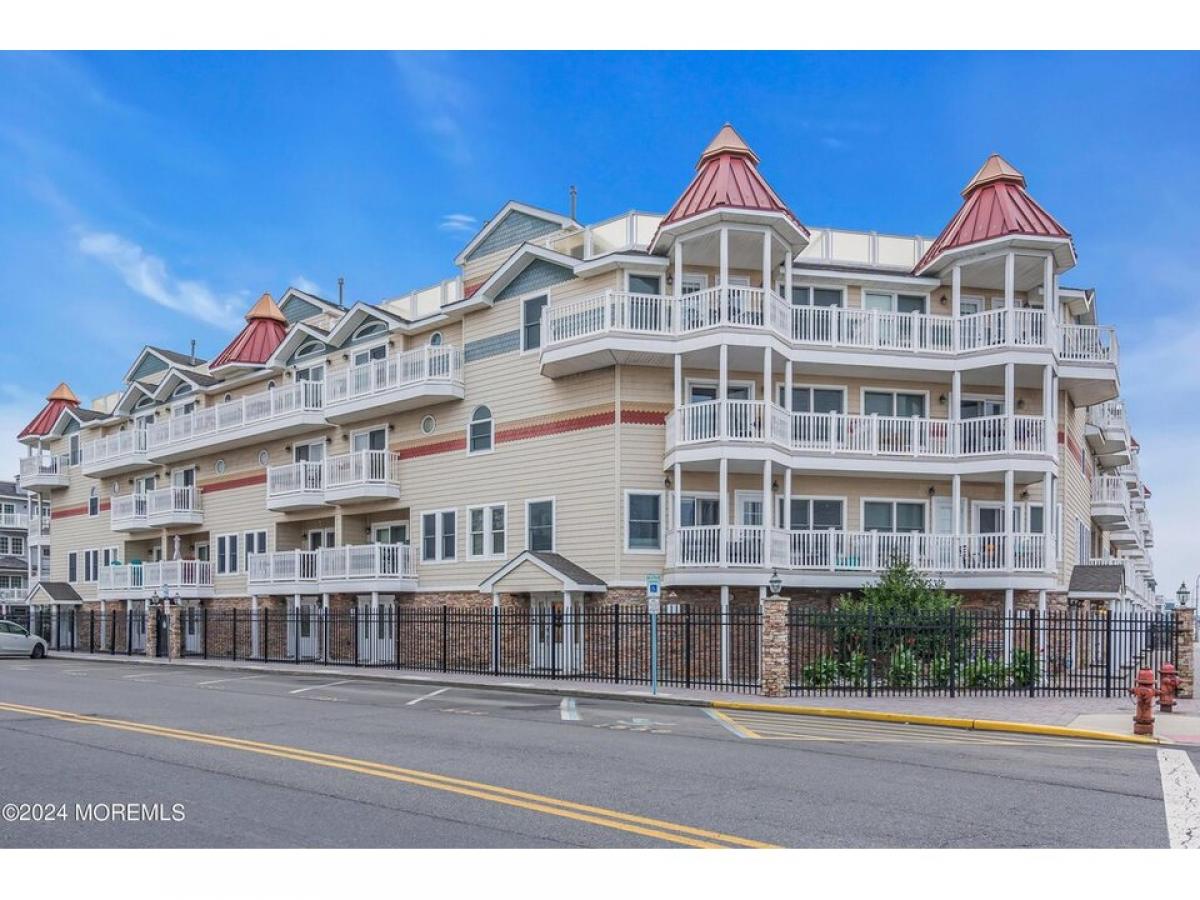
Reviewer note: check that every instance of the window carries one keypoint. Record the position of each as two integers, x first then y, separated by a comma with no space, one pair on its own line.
814,399
367,330
18,546
539,525
1084,538
643,521
531,322
978,407
313,451
816,514
73,450
110,556
91,565
254,542
645,284
898,303
318,538
694,510
480,431
439,538
4,544
72,566
893,516
227,554
182,389
813,296
374,439
486,530
702,391
366,357
315,372
309,349
436,339
94,503
893,403
428,424
390,534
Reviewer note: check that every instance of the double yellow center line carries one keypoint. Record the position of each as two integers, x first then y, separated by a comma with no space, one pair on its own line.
580,812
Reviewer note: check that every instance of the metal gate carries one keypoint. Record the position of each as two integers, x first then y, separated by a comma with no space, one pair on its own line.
162,628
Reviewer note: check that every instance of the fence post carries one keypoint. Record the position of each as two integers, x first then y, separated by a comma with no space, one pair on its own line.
496,639
775,647
204,629
870,652
1185,649
91,631
953,652
1034,661
687,644
266,635
233,642
1108,666
445,634
616,610
553,643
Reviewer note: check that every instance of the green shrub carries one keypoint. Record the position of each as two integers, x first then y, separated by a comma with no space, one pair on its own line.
902,672
821,673
939,670
854,669
1024,668
984,673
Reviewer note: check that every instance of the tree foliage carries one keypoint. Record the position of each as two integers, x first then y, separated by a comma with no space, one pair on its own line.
901,590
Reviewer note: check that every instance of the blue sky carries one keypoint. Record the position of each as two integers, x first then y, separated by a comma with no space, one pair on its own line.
151,198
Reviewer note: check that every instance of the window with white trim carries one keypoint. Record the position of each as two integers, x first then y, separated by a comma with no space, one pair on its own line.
893,516
439,535
481,431
539,525
644,521
815,513
228,558
110,556
532,311
72,566
486,530
94,503
253,542
4,544
91,565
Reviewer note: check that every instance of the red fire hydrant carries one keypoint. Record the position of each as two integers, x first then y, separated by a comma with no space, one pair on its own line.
1168,687
1144,692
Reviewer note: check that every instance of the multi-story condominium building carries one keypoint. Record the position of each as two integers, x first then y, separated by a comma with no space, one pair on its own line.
713,395
14,544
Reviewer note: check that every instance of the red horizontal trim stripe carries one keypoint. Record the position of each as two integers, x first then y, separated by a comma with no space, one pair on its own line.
642,417
559,426
449,446
213,486
105,506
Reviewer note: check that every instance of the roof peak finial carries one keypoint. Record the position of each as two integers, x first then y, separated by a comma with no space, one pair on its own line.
727,140
265,308
994,168
63,392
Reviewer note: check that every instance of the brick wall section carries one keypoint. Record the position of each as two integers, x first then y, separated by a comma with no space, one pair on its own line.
151,637
174,631
1185,621
775,647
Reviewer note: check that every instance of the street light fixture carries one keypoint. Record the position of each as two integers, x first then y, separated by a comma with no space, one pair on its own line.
1183,595
775,583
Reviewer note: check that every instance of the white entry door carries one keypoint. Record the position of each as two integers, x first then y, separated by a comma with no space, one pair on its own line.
193,629
556,638
302,631
376,632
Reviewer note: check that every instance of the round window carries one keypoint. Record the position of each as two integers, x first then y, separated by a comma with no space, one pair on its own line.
220,467
428,424
263,457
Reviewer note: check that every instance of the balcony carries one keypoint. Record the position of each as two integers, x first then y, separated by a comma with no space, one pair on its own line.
272,413
185,579
160,508
411,379
1110,500
363,475
128,513
296,486
39,530
853,551
353,568
590,333
43,471
13,594
125,451
837,435
1107,433
17,520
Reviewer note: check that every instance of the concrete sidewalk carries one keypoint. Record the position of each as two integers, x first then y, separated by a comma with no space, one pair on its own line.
1093,713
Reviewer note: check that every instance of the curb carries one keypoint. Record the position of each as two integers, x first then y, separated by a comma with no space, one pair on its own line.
830,712
827,712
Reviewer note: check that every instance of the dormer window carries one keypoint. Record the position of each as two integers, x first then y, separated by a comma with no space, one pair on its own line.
435,339
311,349
181,390
370,329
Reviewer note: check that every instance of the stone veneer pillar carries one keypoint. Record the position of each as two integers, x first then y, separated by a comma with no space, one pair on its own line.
774,673
175,632
151,631
1185,665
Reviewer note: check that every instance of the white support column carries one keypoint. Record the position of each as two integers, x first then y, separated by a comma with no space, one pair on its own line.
723,259
787,277
1008,520
677,287
1049,304
787,387
374,602
1047,406
253,625
766,265
723,390
1009,625
495,630
956,525
1048,520
1010,279
678,380
1010,393
325,603
956,409
767,372
723,511
725,633
787,501
568,633
956,293
766,513
677,497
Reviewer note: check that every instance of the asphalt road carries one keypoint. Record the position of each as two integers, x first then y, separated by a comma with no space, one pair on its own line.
304,761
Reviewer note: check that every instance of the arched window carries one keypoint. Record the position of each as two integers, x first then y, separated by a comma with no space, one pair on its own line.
184,388
368,330
228,398
480,431
310,349
144,402
435,339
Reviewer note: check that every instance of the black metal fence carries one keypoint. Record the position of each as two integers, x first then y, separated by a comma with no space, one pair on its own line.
71,630
695,647
971,652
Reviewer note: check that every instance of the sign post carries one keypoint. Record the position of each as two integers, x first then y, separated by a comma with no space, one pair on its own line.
653,602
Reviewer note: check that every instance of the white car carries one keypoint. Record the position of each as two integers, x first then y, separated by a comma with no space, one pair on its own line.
16,641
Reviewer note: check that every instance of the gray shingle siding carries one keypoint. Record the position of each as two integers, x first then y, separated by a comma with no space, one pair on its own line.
508,342
515,228
297,309
537,275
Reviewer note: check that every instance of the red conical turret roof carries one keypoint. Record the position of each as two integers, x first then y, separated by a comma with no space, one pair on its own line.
995,205
265,329
727,177
62,397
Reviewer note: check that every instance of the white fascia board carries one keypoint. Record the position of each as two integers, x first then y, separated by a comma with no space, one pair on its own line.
882,277
512,206
979,252
515,264
600,264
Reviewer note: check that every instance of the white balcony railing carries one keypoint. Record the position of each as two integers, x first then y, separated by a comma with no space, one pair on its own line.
161,576
295,478
351,562
441,364
362,467
855,551
40,465
173,501
158,507
13,594
622,312
14,520
1109,416
1110,489
128,511
116,447
226,418
756,421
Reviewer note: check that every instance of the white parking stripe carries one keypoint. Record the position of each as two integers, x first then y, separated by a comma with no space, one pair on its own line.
567,709
1181,798
139,675
223,680
427,696
317,687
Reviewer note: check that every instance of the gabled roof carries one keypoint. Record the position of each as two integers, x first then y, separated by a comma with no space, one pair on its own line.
995,205
58,400
572,577
523,221
297,336
55,592
355,316
523,257
177,376
1097,580
265,329
155,359
297,305
727,177
132,396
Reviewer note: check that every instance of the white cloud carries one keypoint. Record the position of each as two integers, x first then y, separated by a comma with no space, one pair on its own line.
148,275
307,285
441,100
458,223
